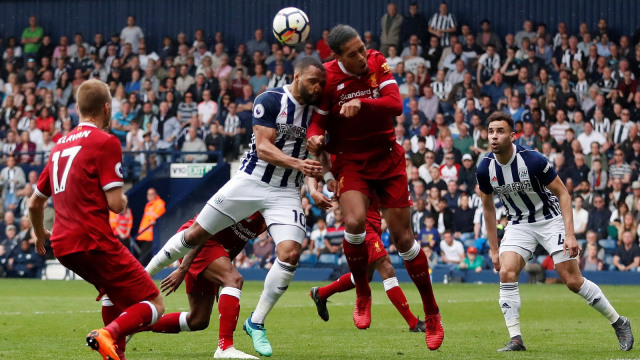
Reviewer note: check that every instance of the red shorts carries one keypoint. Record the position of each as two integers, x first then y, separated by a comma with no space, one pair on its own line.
115,273
374,246
196,284
384,177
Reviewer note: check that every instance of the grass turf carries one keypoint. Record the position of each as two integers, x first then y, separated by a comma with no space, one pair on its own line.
49,320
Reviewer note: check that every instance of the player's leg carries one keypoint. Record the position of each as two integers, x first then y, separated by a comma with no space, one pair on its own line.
570,274
511,264
276,282
236,200
395,293
109,313
354,206
197,318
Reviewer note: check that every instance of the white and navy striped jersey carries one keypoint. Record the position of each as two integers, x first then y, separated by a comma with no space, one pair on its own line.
277,109
443,22
521,185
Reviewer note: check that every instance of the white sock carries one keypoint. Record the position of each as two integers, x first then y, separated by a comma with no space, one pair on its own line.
184,325
275,284
594,297
412,252
510,306
390,283
355,239
174,249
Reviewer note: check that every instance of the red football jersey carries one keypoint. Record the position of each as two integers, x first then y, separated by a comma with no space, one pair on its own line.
237,235
369,133
82,166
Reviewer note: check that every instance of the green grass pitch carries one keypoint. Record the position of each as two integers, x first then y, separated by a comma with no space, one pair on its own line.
49,320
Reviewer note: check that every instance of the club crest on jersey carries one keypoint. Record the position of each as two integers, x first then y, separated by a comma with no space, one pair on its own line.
258,111
341,86
119,170
385,67
523,173
218,199
373,81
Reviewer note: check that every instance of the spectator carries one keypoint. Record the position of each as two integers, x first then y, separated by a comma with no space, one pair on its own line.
429,235
263,248
391,28
184,81
31,38
599,218
472,261
590,260
154,209
232,132
589,137
214,142
627,257
467,174
627,223
121,224
580,217
527,31
443,25
165,129
259,82
418,214
131,34
620,169
318,236
258,44
25,262
187,109
121,122
335,234
192,144
462,224
26,149
451,250
12,178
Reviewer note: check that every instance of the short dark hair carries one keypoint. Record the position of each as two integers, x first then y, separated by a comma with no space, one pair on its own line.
306,62
501,116
340,35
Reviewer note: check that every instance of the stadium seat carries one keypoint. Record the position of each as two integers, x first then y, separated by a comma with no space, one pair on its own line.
308,260
328,260
396,261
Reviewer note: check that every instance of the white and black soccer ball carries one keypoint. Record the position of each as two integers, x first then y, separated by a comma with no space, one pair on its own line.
291,26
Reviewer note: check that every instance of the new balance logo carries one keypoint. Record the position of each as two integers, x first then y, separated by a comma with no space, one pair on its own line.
506,306
341,86
283,288
167,254
595,301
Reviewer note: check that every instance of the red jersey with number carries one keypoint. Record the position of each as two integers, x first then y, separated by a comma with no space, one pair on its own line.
370,133
82,166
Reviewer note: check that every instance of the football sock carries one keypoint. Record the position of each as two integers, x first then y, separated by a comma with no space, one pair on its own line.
275,284
174,249
358,260
510,305
132,319
111,312
417,266
344,283
594,297
229,308
395,294
172,323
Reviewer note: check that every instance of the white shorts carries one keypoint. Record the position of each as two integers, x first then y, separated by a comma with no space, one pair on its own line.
523,238
244,194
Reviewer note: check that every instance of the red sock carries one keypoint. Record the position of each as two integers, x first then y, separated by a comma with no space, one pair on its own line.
344,283
398,299
358,259
229,308
131,320
110,313
418,269
169,324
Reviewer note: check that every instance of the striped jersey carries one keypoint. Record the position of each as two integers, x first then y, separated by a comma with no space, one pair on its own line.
278,109
443,22
521,185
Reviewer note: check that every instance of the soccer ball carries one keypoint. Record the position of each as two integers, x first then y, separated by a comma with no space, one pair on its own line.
291,26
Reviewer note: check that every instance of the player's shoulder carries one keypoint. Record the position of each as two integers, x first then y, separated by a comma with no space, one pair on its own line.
486,161
268,101
529,154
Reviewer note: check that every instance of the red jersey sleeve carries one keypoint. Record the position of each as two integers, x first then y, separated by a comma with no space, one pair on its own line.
43,186
389,103
110,164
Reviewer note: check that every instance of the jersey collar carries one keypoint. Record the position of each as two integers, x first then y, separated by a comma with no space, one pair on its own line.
344,70
512,157
87,124
290,96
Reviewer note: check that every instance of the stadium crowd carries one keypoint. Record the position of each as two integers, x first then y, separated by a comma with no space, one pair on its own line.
574,97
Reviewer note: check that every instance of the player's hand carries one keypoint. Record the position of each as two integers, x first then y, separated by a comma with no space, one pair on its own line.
495,259
351,108
571,245
321,200
315,143
172,282
331,185
311,168
40,242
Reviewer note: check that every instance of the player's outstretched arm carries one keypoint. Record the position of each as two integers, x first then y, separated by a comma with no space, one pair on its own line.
489,212
267,151
560,191
36,215
172,282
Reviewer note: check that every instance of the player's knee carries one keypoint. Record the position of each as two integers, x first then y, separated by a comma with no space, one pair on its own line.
290,257
573,283
234,281
508,275
158,302
198,323
355,224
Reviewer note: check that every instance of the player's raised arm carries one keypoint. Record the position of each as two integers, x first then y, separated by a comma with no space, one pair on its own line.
267,151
